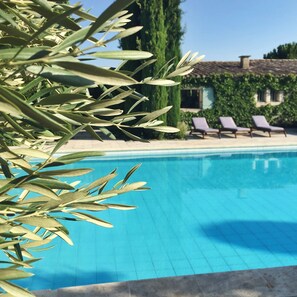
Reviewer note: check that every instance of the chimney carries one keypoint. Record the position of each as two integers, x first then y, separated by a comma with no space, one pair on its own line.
244,62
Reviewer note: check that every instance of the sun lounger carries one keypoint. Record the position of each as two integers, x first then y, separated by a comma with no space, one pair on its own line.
260,123
200,126
228,124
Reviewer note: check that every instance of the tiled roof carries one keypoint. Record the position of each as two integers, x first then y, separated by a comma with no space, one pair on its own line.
263,66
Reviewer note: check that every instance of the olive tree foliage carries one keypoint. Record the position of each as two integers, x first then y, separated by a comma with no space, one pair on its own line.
48,53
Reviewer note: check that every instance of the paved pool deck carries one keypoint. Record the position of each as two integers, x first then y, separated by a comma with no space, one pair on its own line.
259,140
272,282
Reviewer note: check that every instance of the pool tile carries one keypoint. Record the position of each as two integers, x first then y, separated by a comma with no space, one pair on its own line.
228,252
251,259
165,272
270,260
124,265
288,261
233,260
162,265
33,281
216,261
141,257
124,275
202,269
213,254
146,274
85,278
194,254
241,266
199,262
222,268
159,257
65,280
144,265
182,267
176,255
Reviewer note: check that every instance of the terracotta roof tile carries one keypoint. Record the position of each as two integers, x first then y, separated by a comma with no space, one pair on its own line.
263,66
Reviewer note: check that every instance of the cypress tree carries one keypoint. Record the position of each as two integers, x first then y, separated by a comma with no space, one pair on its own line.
133,42
174,36
153,39
161,35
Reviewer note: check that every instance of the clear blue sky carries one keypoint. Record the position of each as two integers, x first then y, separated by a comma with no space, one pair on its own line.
225,29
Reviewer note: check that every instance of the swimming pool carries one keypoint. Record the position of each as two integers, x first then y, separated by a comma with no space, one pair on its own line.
204,213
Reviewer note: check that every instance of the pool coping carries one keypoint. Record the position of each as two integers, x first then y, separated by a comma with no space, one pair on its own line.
206,150
258,142
268,282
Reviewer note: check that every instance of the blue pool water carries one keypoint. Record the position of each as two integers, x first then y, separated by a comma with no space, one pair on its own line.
203,214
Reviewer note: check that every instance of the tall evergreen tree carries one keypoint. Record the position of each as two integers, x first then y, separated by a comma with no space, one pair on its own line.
283,51
133,41
153,39
162,39
174,36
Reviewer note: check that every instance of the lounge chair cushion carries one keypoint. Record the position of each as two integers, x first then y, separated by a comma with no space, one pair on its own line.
229,124
261,123
200,125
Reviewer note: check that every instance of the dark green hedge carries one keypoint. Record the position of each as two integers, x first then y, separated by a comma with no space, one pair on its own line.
234,96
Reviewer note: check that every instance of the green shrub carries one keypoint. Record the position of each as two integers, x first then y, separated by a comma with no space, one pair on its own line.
183,130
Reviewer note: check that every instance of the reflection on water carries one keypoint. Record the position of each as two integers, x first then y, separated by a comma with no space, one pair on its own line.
266,163
245,171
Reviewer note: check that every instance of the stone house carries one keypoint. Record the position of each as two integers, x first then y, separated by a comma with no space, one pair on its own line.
196,97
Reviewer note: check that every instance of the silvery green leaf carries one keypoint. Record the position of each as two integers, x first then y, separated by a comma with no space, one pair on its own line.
183,59
112,11
197,60
130,172
125,33
131,187
14,290
31,152
98,74
66,172
61,76
9,274
179,71
40,190
86,154
161,82
92,219
16,99
120,206
64,236
60,99
165,129
153,115
123,55
39,221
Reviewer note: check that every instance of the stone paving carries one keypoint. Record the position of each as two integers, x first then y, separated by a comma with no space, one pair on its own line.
273,282
259,140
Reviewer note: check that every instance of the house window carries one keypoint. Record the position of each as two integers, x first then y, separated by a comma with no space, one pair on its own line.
261,96
274,96
269,96
190,98
280,96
